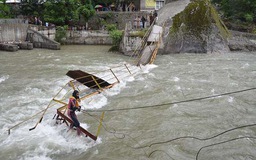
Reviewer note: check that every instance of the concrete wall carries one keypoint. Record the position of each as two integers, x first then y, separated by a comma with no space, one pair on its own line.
49,32
12,30
41,41
119,18
40,36
73,36
16,31
99,37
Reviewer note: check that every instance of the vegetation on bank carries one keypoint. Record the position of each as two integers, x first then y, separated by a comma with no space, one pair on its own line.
61,12
116,36
139,33
61,32
237,14
5,10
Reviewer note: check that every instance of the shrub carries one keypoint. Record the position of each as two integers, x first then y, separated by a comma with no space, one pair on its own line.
116,36
60,33
140,34
248,17
111,27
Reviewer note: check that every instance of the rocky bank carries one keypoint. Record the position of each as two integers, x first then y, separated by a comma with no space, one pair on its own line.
195,27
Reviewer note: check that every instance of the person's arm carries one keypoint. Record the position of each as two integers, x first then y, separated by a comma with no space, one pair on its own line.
73,105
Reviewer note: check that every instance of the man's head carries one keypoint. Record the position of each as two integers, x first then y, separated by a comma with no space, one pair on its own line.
75,94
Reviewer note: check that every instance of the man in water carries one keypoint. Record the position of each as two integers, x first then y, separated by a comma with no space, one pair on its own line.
73,105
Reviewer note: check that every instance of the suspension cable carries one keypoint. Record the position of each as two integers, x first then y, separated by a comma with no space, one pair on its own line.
172,103
123,135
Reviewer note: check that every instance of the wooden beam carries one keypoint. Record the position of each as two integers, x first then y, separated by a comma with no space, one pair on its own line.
81,128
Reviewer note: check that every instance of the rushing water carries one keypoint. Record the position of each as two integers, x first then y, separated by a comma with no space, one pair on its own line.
29,80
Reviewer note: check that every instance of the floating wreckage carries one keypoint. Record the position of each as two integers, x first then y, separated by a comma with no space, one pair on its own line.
90,84
90,81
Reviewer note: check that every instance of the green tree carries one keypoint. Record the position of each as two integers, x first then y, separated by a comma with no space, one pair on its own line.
4,10
32,7
115,34
60,33
61,12
86,10
242,10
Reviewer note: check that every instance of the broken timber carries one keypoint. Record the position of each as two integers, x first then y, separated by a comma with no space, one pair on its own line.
148,53
92,82
65,118
96,87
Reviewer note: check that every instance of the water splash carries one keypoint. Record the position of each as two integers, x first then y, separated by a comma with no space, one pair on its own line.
4,78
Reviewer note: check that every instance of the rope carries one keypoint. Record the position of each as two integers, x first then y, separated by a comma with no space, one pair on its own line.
114,132
234,139
172,103
200,139
158,150
207,146
184,137
123,135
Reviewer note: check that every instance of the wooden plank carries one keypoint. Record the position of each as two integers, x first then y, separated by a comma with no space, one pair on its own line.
59,110
146,54
155,34
87,79
81,128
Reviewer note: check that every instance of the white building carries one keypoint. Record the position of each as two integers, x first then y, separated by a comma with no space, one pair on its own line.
151,4
13,1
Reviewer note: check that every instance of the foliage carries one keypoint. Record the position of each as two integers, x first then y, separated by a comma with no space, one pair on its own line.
4,10
140,34
242,10
60,33
254,30
109,15
116,36
111,27
61,12
248,17
32,7
86,10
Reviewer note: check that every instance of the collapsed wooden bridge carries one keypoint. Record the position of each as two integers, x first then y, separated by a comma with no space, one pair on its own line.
90,81
90,84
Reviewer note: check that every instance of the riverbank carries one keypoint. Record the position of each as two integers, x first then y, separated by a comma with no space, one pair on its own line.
181,35
242,41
